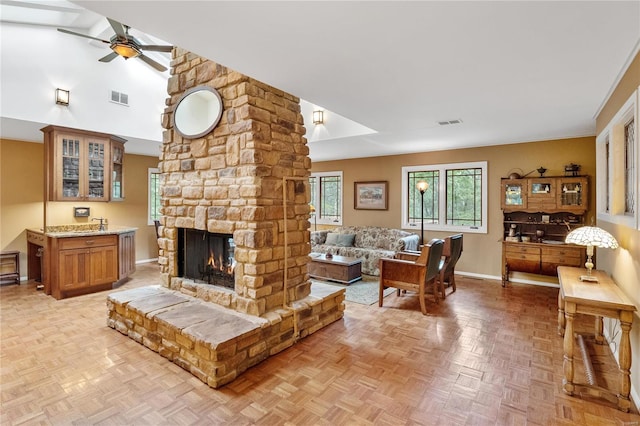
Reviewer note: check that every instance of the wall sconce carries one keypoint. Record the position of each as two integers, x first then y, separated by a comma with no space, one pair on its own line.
62,97
318,117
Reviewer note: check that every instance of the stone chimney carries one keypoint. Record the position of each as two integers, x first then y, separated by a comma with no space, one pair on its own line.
231,180
248,178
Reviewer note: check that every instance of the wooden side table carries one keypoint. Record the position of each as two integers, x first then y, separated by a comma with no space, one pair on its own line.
601,299
10,267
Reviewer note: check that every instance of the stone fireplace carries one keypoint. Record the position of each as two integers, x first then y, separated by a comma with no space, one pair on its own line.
243,189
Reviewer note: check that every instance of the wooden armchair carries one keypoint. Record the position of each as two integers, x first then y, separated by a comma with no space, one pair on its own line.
450,254
413,276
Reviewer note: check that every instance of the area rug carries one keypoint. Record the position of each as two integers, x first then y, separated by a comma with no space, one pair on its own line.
364,292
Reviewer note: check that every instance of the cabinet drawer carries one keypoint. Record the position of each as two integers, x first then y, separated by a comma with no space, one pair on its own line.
35,238
562,260
562,252
523,256
521,249
87,242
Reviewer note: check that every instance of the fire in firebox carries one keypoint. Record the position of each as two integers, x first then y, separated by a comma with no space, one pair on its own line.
206,257
218,270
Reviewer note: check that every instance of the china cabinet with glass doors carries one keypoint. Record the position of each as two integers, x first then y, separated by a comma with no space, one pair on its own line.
538,213
82,165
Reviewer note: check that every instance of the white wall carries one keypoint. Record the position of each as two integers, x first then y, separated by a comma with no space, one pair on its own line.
35,60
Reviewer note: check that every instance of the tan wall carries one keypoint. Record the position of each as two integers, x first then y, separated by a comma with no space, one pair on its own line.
628,84
22,200
482,252
624,263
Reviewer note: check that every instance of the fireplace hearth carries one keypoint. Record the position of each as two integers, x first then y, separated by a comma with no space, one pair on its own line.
206,257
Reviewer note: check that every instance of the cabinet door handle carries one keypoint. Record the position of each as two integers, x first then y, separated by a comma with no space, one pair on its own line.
89,242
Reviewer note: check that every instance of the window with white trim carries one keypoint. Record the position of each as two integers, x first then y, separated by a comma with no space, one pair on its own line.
326,197
607,200
629,168
154,196
455,198
617,160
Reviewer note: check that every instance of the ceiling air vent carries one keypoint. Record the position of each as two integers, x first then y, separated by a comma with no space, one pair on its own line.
119,98
446,123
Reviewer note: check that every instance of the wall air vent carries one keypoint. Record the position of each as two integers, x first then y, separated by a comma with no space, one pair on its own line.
447,122
119,98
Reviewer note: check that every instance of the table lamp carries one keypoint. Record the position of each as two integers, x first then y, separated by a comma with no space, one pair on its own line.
591,236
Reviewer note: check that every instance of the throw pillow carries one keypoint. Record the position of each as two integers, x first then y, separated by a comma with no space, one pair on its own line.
346,240
332,238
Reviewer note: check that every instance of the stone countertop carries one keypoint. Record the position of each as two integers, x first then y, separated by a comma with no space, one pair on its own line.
68,231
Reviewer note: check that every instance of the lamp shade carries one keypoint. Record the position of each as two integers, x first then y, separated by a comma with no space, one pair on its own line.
592,236
125,50
422,186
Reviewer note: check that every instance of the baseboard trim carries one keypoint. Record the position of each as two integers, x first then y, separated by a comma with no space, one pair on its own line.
512,280
139,262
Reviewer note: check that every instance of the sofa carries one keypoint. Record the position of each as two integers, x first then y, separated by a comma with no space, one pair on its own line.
368,243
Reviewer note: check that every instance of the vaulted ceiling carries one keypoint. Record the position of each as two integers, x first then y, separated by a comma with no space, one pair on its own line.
508,71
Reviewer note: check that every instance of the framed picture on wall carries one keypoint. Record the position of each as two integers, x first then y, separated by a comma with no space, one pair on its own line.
81,211
370,195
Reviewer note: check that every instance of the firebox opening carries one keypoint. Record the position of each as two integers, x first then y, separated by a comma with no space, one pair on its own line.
206,257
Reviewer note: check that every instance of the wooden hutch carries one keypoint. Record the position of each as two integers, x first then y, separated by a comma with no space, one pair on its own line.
539,212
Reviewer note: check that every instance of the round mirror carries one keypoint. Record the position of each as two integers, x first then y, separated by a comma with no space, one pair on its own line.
198,111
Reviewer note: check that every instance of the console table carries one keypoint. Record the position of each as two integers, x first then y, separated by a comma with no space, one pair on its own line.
601,299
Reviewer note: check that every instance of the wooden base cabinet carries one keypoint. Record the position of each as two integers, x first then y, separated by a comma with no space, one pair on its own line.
539,258
84,264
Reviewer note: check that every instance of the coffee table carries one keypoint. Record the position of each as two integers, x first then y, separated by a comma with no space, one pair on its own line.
337,268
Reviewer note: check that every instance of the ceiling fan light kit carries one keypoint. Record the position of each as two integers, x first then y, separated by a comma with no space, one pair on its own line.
127,51
125,45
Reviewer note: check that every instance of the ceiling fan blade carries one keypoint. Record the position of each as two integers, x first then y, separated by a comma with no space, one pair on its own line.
156,47
153,63
62,30
110,57
118,28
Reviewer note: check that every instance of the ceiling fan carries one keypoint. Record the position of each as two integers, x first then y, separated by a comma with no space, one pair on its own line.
125,45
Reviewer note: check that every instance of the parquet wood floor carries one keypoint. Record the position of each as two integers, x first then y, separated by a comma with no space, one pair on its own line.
484,356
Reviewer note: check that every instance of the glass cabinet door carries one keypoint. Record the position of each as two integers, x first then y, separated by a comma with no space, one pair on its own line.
572,193
95,169
70,167
117,154
514,196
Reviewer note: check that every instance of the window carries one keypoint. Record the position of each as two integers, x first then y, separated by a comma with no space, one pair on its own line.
154,195
429,200
629,168
455,198
326,197
617,160
607,195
